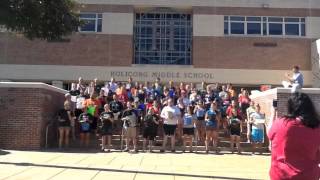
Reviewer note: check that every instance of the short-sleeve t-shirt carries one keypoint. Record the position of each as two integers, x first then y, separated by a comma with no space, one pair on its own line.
130,118
149,120
295,150
187,120
64,117
258,119
106,119
170,114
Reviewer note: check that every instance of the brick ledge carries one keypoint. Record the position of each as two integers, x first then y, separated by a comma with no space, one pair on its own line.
31,85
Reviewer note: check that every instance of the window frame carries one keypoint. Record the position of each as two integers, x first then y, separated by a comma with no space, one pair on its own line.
96,20
264,21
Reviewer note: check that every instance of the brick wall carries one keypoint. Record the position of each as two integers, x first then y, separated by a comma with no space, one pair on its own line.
25,111
241,53
282,94
83,50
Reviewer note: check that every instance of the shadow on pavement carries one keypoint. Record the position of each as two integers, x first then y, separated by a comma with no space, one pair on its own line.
120,170
3,152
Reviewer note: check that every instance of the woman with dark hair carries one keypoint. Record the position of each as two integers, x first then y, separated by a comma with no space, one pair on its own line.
295,141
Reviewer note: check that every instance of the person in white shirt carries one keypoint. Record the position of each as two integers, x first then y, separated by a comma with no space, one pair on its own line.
171,115
295,81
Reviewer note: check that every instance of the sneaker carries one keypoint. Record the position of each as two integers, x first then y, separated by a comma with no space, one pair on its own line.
126,150
162,150
173,150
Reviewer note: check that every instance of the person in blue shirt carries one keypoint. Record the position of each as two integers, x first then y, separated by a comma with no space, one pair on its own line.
295,81
188,128
212,119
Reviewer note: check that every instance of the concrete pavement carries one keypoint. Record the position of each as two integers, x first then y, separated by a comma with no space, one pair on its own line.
24,165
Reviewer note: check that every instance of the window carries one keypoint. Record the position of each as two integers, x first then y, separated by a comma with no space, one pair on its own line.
163,37
92,22
264,26
254,25
236,25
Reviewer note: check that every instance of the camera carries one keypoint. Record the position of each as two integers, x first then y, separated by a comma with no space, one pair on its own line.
275,103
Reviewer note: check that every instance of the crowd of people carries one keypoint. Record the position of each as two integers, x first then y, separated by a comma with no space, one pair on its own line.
169,110
195,114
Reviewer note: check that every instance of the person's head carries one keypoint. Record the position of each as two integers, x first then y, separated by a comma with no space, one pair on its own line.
80,80
245,92
95,80
213,105
113,79
252,103
106,107
129,105
223,87
301,106
114,97
200,103
67,105
92,84
157,80
130,79
150,111
233,103
183,93
170,83
209,89
257,108
68,96
73,86
170,102
203,85
234,112
295,69
101,93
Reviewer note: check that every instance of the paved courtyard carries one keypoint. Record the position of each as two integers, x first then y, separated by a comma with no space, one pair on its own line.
116,165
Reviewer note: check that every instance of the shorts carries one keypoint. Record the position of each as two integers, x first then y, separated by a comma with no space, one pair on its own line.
200,118
169,129
85,127
235,132
131,132
257,135
150,133
188,131
106,130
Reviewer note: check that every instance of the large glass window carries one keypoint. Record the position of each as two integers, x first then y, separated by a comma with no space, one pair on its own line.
92,22
273,26
236,25
254,25
163,38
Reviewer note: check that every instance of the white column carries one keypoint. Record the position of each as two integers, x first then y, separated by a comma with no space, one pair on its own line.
313,27
315,62
117,23
208,25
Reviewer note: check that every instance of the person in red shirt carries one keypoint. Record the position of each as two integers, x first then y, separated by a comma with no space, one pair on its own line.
295,142
231,107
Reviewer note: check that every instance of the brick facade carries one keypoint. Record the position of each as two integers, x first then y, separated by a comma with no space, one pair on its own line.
25,113
241,53
83,50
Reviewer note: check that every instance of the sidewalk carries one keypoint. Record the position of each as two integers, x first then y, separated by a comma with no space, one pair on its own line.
24,165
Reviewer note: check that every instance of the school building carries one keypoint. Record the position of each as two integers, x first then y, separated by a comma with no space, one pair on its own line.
244,42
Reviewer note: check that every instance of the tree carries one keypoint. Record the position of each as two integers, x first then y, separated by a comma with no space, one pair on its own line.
44,19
